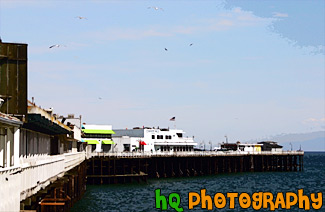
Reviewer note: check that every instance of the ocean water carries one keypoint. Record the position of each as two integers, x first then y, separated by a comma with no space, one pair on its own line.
141,197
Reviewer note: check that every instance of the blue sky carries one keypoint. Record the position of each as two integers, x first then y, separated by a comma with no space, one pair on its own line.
255,69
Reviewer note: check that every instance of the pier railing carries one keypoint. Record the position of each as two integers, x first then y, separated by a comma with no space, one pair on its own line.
188,154
73,159
9,182
37,170
34,173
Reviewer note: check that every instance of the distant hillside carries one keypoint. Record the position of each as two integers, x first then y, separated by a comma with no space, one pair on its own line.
314,141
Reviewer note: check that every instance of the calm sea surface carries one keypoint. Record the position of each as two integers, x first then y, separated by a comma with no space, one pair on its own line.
141,197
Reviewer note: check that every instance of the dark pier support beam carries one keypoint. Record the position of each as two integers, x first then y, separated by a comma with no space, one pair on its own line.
210,165
188,172
216,170
278,162
180,173
285,158
93,168
262,163
172,167
295,163
269,162
222,165
194,167
114,170
267,165
282,162
164,168
246,163
109,169
101,170
201,166
156,170
290,163
124,166
237,164
241,163
301,163
251,163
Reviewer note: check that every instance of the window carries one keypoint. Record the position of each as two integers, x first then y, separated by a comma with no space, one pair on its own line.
168,137
180,135
159,136
153,136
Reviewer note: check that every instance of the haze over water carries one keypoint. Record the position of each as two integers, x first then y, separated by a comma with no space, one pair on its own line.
141,197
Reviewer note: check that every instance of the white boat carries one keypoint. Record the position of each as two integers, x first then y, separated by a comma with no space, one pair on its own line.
152,140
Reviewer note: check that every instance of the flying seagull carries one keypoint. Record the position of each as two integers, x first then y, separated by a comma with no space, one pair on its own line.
56,45
99,97
80,17
156,8
191,44
166,49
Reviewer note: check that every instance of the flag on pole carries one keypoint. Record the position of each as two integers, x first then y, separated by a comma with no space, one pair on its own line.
172,119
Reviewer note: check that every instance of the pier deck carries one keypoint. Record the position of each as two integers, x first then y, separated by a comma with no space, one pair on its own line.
188,154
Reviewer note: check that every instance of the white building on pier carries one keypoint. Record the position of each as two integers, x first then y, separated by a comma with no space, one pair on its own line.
98,137
152,140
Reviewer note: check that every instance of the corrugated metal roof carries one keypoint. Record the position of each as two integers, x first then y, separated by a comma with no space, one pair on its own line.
7,119
33,109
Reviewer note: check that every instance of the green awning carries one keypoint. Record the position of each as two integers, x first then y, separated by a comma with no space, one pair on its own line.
98,131
107,142
92,141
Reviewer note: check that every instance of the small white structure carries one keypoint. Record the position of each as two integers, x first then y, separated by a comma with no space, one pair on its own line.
250,147
9,141
75,139
152,140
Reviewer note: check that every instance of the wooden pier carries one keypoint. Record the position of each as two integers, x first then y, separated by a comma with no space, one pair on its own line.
111,168
61,194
